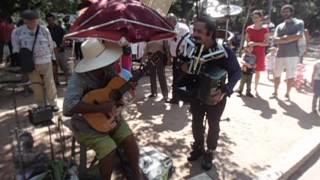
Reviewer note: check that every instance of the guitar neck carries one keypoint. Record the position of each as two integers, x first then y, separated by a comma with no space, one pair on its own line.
116,95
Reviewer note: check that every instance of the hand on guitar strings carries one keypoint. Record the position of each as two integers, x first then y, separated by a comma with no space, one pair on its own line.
109,108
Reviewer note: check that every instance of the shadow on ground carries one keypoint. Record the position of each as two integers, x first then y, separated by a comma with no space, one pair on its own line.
8,123
261,105
305,120
168,128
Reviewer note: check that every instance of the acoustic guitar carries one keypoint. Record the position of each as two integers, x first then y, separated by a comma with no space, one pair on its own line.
114,91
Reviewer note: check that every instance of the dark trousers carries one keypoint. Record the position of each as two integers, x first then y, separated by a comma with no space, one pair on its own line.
77,50
315,98
316,95
246,79
213,114
1,51
157,67
176,73
10,47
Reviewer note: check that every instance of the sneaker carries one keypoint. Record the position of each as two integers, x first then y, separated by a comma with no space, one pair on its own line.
239,92
55,108
152,95
287,96
274,95
166,100
206,163
197,151
174,101
248,94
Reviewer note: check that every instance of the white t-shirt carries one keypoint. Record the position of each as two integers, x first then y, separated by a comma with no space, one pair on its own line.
181,29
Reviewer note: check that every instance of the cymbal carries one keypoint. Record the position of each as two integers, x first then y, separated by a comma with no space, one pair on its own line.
223,10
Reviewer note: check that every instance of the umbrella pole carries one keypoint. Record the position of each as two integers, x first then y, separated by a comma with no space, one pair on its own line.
73,48
227,21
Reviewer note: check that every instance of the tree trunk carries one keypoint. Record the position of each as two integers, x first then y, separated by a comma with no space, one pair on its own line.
244,26
270,4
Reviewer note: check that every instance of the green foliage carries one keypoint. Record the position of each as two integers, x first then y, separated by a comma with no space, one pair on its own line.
183,8
10,7
305,9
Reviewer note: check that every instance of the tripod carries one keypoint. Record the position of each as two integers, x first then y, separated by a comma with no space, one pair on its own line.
43,116
14,84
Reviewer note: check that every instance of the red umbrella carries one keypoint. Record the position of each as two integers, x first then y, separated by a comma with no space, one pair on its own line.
114,19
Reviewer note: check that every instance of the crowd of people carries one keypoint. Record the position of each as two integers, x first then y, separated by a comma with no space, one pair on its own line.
99,61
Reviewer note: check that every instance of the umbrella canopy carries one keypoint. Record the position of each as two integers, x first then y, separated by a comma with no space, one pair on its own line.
114,20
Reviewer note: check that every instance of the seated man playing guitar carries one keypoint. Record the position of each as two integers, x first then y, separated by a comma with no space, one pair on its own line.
96,71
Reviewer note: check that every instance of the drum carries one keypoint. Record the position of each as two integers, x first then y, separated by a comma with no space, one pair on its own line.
210,81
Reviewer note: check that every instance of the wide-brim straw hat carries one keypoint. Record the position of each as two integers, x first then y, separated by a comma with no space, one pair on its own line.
97,55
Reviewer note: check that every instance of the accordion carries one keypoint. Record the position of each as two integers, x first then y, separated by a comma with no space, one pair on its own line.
204,77
191,52
209,82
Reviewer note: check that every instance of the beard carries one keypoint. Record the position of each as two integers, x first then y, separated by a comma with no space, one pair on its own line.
286,17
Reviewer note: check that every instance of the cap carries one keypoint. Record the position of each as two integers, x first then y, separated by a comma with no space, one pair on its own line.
30,15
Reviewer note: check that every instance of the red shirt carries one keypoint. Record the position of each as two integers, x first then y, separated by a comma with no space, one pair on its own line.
8,30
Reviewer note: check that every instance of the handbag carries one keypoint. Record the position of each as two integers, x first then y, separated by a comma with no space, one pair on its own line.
25,57
41,116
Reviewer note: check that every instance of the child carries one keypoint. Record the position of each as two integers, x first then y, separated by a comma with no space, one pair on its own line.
316,87
248,67
271,58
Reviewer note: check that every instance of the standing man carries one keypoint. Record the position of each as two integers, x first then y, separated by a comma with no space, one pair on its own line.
42,75
57,34
204,32
181,29
286,37
155,52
